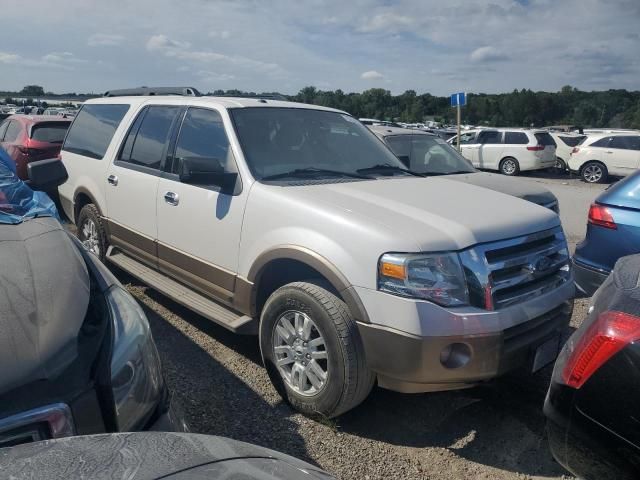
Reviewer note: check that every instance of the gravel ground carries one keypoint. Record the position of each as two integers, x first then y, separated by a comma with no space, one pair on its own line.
491,432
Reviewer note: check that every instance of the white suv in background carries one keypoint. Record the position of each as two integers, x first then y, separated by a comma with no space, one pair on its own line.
510,151
565,142
606,154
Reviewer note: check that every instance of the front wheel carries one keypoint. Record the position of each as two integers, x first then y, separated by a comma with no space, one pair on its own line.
312,350
509,166
91,231
594,172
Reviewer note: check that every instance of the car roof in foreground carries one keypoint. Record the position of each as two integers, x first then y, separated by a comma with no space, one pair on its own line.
33,119
383,131
211,101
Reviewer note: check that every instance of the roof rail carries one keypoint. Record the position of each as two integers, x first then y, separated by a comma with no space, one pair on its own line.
266,96
142,91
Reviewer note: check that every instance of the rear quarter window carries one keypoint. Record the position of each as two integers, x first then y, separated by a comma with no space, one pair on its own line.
51,132
516,138
93,128
571,141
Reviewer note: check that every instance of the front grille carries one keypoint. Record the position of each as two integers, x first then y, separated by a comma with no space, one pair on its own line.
51,421
505,273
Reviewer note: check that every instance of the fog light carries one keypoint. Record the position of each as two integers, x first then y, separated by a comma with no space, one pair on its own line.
455,355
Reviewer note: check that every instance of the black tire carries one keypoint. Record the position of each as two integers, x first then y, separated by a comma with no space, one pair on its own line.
97,246
560,166
348,380
594,172
509,166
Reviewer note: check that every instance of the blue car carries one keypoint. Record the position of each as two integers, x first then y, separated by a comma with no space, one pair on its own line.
613,231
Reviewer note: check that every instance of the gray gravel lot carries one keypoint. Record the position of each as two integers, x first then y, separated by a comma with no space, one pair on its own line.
491,432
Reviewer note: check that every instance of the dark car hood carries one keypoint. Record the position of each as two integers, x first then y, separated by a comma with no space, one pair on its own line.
149,456
625,193
44,293
510,186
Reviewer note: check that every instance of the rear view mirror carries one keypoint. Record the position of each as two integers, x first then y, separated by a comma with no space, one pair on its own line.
205,171
46,174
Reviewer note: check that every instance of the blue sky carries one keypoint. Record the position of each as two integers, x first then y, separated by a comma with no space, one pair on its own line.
429,46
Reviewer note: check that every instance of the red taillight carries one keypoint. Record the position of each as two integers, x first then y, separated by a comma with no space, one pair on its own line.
537,148
601,216
609,334
575,150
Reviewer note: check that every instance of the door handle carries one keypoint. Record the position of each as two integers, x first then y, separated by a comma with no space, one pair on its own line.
609,151
113,180
171,198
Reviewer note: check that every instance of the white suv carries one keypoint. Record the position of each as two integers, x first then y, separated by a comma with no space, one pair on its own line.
565,143
295,222
509,151
599,156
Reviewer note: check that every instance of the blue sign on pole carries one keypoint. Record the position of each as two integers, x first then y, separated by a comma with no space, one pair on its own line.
458,99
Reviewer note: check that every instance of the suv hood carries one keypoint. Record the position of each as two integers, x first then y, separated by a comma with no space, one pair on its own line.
510,186
44,294
436,213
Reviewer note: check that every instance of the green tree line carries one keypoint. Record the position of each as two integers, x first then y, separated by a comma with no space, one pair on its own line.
523,108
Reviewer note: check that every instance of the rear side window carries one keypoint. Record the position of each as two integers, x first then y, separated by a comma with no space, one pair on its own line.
625,143
545,139
3,128
516,138
146,145
202,135
603,142
571,141
51,132
92,130
489,137
12,133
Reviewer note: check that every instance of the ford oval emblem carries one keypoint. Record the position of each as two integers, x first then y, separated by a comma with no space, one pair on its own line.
540,265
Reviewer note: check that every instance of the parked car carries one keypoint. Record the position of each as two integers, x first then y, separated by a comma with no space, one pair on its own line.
29,138
592,403
613,231
76,351
601,155
429,155
54,111
510,151
152,456
565,143
295,222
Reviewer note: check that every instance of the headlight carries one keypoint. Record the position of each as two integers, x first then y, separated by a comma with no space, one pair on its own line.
436,277
136,375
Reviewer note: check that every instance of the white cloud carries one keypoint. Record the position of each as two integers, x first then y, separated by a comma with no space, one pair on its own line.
487,54
9,57
163,43
386,22
224,34
371,75
105,40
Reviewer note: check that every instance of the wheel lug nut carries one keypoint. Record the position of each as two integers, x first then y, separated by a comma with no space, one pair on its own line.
308,355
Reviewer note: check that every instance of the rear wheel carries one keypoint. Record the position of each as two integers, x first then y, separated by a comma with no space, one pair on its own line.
312,350
91,231
509,166
560,165
594,172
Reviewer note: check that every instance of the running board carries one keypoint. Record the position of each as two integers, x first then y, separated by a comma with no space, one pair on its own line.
177,292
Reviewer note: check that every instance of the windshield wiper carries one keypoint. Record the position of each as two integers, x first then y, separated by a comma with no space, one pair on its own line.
387,167
314,172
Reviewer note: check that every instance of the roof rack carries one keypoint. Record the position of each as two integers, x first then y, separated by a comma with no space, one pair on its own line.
142,91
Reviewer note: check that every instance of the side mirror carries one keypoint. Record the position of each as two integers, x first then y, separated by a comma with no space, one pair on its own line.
205,171
46,174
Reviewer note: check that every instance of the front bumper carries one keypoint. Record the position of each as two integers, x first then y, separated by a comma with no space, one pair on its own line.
588,279
168,417
454,350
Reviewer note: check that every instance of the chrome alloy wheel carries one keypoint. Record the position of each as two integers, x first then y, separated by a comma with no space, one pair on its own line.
592,173
509,167
300,353
90,238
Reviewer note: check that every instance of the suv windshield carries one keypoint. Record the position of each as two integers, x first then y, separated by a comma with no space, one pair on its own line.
278,141
428,155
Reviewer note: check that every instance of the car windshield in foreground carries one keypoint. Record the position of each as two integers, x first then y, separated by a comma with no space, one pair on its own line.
428,155
281,142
